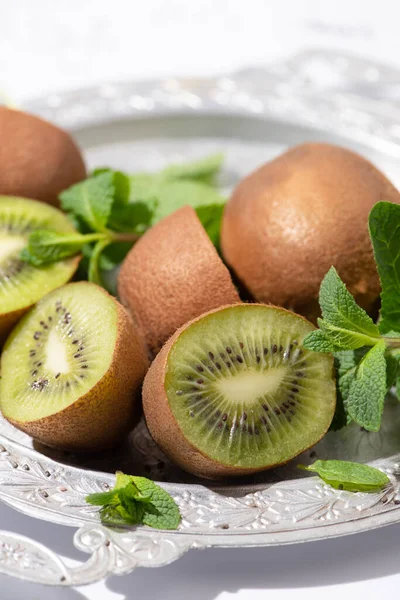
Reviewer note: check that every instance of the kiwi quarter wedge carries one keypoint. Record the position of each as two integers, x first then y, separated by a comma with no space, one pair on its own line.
71,370
21,284
172,275
233,392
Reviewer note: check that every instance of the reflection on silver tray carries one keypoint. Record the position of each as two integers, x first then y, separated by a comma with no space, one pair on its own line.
251,116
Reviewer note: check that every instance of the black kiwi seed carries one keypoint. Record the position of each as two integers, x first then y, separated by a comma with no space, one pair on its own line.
295,390
77,355
200,368
241,345
200,381
217,364
36,335
274,349
239,359
211,355
265,351
265,407
229,351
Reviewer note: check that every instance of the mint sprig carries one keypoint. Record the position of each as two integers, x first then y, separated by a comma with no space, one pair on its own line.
136,501
350,476
111,210
367,356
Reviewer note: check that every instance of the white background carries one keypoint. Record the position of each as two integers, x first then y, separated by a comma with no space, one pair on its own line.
47,46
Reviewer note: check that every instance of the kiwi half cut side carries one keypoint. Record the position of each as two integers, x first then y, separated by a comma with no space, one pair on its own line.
72,369
233,392
21,284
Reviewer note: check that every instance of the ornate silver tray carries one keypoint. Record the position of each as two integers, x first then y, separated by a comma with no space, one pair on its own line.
251,116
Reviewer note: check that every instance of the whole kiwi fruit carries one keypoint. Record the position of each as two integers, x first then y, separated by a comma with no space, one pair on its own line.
72,370
37,159
171,275
233,392
289,221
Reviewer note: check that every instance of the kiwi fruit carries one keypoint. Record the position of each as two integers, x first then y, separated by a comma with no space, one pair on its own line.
21,284
71,370
288,222
233,392
37,159
172,275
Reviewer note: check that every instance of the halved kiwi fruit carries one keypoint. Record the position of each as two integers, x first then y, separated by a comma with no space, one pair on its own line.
21,284
37,159
172,275
288,222
71,370
233,392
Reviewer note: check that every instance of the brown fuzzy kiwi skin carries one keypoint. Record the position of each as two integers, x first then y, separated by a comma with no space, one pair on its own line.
165,430
289,221
172,275
37,159
10,319
106,413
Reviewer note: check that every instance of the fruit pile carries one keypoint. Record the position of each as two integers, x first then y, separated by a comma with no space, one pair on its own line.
228,387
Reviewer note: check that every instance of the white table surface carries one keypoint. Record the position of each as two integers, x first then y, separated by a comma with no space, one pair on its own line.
49,46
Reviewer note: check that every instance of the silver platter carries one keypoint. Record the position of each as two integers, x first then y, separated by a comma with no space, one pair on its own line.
251,116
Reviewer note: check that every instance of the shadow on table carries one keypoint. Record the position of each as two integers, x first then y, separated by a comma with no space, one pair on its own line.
203,575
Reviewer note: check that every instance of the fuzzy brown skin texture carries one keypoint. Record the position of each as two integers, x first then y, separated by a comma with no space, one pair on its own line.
37,159
172,275
165,430
288,222
103,416
8,320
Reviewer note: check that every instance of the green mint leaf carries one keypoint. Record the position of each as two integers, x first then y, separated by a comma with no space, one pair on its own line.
172,195
91,200
203,170
345,339
122,184
134,217
368,389
340,309
210,217
136,500
94,274
317,341
102,498
384,228
161,511
350,476
392,370
46,246
346,363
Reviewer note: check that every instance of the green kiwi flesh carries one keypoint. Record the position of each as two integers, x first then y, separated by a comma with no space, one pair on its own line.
243,390
71,369
56,353
21,284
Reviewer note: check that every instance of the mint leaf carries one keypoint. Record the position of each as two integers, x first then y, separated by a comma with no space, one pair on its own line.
94,274
136,500
346,364
91,200
344,339
203,170
210,217
102,498
134,217
350,476
172,195
46,246
384,228
368,389
317,341
121,182
161,511
341,310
